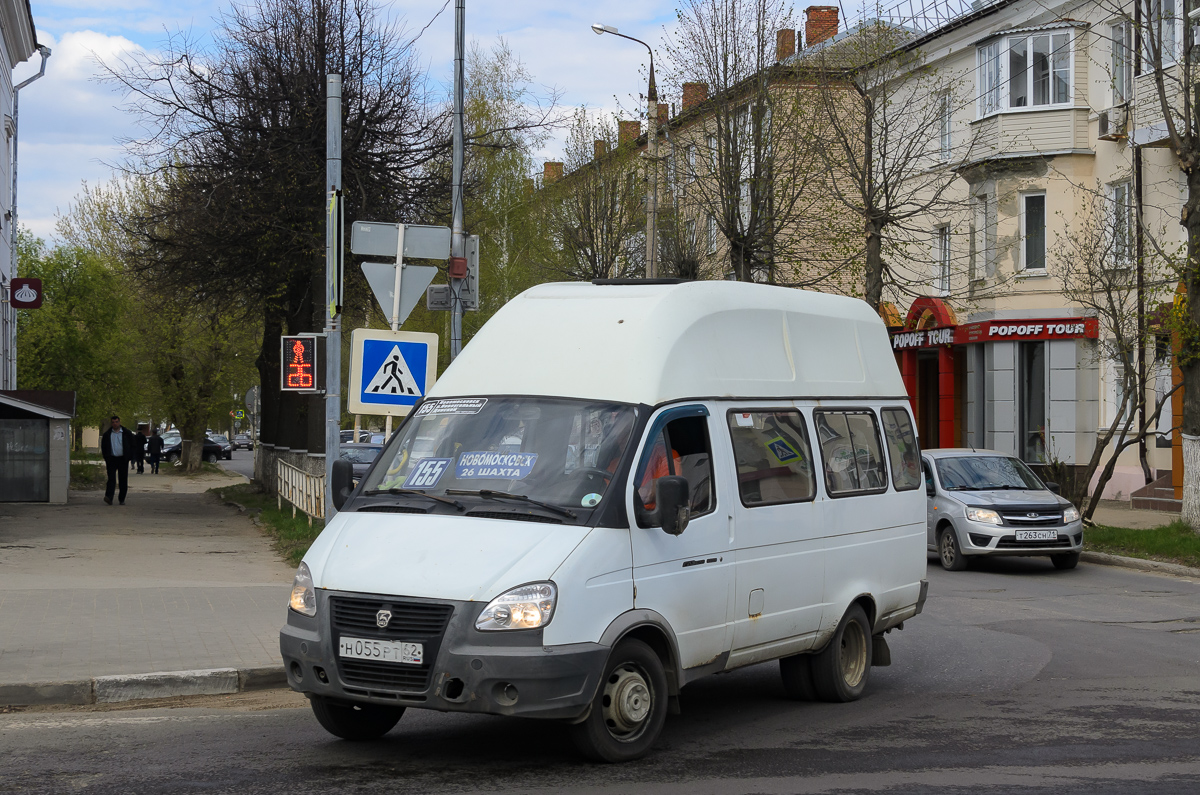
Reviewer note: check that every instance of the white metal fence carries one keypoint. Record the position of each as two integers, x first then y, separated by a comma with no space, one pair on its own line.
304,491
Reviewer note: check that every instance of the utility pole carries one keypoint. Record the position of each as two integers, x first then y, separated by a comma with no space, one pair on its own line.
333,283
652,176
8,377
458,251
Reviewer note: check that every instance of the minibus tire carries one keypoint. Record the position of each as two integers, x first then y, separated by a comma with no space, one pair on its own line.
355,721
841,670
948,547
633,674
796,673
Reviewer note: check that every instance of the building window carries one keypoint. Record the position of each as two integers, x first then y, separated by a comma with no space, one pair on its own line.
1120,196
1161,38
945,113
712,235
689,235
711,143
941,253
989,78
1122,63
1033,231
984,226
691,163
1039,70
1032,401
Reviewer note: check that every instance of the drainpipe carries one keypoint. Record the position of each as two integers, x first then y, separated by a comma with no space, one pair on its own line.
1139,257
12,228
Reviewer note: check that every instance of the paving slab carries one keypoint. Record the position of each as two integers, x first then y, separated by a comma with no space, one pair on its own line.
1114,513
170,581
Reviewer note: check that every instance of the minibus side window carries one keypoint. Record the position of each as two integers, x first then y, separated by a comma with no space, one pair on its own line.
851,452
681,448
774,460
902,448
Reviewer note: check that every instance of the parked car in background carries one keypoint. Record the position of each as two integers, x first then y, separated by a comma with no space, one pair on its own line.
225,444
360,456
981,502
347,436
213,450
243,441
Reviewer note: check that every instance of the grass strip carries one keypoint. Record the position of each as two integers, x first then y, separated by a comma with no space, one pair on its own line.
292,536
1172,543
88,476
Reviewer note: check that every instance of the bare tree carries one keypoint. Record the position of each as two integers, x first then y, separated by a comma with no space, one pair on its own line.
884,140
1095,264
746,152
591,220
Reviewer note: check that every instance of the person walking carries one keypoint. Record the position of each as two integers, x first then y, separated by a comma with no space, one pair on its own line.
154,446
139,448
117,445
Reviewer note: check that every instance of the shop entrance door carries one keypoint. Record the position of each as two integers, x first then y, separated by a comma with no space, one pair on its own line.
927,398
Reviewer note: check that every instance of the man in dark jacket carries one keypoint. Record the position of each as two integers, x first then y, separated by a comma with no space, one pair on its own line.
139,449
154,446
117,447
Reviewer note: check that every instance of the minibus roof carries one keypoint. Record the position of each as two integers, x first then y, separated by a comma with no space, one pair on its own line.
657,343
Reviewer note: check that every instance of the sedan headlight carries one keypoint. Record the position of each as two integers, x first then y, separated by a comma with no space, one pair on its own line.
1070,514
523,607
984,515
304,596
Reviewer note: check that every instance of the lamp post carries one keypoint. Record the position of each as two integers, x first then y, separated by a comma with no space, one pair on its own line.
651,153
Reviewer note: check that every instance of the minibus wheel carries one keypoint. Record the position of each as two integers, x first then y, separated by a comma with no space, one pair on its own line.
629,709
355,721
841,670
796,672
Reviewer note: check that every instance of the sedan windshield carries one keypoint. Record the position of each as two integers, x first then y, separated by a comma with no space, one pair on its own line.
360,455
986,472
510,451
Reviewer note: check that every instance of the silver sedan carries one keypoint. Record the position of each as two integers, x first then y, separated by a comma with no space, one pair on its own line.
986,503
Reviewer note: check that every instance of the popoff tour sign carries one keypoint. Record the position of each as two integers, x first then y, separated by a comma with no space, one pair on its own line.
390,370
1063,328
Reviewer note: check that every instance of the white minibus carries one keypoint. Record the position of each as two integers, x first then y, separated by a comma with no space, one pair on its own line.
618,488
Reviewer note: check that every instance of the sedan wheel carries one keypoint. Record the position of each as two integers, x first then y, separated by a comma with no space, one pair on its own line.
949,552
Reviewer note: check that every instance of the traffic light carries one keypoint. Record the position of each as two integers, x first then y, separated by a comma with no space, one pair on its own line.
298,357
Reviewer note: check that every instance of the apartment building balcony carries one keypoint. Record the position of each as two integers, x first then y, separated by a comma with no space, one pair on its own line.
1147,125
1033,132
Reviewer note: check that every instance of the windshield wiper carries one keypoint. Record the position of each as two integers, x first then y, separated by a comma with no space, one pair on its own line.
416,493
504,495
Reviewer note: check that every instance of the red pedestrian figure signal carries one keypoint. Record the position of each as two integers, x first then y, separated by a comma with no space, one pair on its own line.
299,359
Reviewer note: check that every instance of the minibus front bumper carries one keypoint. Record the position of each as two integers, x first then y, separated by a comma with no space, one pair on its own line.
464,670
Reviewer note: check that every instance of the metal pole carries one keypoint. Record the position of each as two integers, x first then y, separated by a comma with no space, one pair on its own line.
457,244
333,280
652,176
8,376
395,322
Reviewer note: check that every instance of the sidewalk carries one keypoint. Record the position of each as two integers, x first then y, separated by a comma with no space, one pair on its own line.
1114,513
171,581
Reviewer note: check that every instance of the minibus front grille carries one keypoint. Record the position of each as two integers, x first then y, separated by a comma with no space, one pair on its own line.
408,620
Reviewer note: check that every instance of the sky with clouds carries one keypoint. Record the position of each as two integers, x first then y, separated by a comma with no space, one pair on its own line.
71,124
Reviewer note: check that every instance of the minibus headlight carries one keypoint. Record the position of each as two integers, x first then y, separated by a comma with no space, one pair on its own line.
984,515
1070,514
524,607
304,596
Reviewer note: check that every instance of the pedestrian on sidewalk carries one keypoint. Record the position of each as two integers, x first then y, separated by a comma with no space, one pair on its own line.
154,446
139,448
117,445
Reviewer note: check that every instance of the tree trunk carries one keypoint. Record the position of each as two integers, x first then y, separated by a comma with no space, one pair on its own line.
193,451
873,275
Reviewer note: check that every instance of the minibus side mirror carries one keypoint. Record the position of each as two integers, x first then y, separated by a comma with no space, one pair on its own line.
1052,486
343,482
671,496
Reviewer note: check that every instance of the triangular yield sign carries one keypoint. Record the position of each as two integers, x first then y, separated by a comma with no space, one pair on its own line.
394,377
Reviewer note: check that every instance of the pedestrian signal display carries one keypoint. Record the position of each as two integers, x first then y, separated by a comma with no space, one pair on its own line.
298,357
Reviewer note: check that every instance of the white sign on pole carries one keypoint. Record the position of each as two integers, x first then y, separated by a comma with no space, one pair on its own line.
382,278
390,370
378,239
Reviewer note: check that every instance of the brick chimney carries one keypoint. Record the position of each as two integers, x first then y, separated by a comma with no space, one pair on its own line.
628,132
551,172
693,95
820,23
663,114
785,47
599,149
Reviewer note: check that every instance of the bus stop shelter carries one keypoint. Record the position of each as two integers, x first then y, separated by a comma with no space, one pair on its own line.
35,445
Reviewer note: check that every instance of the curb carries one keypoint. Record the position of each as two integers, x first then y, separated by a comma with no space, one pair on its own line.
1120,561
131,687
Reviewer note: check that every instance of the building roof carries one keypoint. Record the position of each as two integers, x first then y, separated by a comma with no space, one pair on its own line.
657,343
16,24
54,404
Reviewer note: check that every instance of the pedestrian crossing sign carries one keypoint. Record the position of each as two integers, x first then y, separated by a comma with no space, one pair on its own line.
390,370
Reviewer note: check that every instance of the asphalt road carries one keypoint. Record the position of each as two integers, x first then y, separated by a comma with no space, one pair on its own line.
242,463
1017,678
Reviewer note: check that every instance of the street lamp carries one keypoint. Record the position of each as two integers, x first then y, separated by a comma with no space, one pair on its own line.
651,153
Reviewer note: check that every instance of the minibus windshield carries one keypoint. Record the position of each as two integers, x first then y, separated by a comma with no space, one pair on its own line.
511,452
986,473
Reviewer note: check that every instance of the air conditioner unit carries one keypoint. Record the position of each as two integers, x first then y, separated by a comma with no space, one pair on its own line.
1113,123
